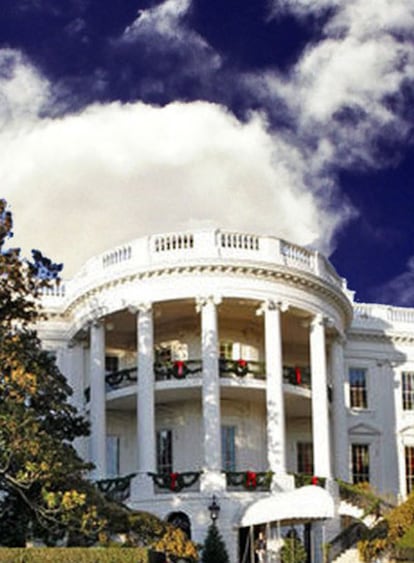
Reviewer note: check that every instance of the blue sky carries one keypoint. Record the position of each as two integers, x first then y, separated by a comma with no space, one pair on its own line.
287,117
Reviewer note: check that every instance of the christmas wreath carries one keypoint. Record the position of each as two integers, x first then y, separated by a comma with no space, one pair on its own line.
241,368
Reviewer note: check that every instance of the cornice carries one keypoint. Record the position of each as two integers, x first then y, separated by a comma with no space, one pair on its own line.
290,276
377,336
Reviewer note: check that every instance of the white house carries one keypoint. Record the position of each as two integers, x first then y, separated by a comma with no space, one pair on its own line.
222,363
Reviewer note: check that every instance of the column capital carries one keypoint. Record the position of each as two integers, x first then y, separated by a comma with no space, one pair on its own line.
95,322
321,320
339,339
97,312
80,339
387,363
202,301
271,305
144,307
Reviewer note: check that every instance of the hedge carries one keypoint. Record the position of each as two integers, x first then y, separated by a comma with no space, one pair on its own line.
404,549
74,555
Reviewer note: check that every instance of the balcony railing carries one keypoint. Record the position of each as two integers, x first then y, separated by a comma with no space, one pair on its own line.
119,488
175,481
296,375
116,488
249,480
303,479
242,368
120,378
179,369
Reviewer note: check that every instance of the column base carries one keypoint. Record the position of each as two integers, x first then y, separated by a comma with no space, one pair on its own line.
212,482
142,487
282,482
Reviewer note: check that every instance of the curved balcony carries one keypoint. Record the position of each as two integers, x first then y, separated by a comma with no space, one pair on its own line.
119,488
175,482
236,370
178,370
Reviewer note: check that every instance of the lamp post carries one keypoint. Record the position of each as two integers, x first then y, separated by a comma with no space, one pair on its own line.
214,509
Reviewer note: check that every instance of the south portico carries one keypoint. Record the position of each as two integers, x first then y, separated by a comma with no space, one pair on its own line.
210,365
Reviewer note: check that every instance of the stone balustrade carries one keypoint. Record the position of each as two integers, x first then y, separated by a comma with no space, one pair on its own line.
381,316
157,251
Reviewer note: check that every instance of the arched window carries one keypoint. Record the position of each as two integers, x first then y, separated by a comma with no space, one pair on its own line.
180,520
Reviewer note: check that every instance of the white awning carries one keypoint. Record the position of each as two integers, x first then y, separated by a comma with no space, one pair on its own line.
306,503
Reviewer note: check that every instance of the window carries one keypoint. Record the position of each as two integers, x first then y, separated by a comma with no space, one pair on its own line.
305,457
408,390
360,463
163,354
358,388
228,448
112,456
164,451
111,364
409,468
226,350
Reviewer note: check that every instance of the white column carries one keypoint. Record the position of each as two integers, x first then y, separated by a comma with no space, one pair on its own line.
339,410
276,441
75,375
97,413
317,541
320,409
145,393
386,446
211,385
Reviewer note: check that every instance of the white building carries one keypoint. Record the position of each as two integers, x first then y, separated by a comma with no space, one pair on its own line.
254,364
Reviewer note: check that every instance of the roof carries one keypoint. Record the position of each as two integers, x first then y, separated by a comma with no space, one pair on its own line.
306,503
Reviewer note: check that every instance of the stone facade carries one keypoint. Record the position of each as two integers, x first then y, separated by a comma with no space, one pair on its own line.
218,363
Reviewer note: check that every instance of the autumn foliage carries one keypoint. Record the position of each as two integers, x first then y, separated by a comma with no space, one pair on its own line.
385,537
42,487
45,493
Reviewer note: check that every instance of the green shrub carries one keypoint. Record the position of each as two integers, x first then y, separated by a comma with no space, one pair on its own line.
397,523
73,555
408,538
293,550
214,549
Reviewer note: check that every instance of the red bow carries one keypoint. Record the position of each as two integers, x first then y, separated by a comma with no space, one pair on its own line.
173,482
242,363
298,376
179,364
315,480
251,479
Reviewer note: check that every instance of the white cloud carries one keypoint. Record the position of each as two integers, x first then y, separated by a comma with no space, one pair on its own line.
82,183
79,184
23,91
355,16
163,29
164,19
399,290
340,88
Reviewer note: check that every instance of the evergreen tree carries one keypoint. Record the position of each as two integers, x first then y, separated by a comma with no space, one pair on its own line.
293,550
214,550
